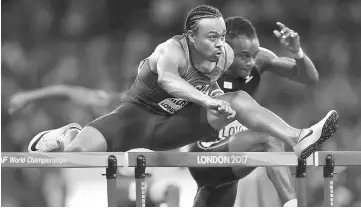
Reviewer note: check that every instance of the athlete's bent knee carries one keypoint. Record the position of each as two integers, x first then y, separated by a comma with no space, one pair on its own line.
242,100
88,140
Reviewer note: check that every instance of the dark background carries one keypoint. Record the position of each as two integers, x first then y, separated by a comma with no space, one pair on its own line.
98,44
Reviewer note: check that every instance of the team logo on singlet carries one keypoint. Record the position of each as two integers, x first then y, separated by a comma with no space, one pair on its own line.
223,136
172,105
248,79
203,88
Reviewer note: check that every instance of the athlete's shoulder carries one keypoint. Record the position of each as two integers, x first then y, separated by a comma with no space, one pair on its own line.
229,55
172,49
171,45
264,58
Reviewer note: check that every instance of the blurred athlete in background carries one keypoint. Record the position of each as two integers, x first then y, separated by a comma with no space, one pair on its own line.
218,186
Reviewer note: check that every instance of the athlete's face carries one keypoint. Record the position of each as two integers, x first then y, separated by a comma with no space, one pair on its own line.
209,38
245,53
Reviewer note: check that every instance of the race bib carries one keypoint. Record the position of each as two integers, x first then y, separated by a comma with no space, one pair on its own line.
223,136
231,129
172,105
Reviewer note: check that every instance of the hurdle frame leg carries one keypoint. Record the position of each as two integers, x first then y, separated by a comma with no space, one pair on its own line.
111,176
328,172
140,181
301,183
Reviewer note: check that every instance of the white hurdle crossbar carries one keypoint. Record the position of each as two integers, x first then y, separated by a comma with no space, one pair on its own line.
215,159
140,160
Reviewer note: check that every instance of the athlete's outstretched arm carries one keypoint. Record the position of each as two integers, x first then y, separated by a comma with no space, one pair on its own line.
22,99
300,69
77,94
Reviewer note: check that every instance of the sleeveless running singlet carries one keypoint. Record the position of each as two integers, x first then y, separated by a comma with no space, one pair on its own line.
146,91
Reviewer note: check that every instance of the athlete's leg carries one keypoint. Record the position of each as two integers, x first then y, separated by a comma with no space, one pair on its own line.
185,127
281,176
88,140
213,177
222,196
257,118
247,141
209,179
202,196
128,127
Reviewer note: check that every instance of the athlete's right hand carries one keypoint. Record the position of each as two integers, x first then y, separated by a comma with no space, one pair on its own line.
220,108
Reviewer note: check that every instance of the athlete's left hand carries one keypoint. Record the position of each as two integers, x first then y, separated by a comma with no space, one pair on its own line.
288,38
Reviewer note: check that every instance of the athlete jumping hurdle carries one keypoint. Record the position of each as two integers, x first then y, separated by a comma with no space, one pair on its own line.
182,69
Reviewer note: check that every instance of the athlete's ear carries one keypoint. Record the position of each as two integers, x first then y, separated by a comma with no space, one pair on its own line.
190,35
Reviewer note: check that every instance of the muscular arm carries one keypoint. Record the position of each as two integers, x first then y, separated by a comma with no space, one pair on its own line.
169,79
22,99
300,70
56,90
77,94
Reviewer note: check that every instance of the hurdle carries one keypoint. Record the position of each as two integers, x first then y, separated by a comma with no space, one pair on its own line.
109,160
141,160
330,159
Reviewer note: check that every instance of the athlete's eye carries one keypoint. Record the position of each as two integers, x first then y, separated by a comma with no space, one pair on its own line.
245,56
213,37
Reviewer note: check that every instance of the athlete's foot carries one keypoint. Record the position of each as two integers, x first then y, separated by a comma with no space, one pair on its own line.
54,140
310,139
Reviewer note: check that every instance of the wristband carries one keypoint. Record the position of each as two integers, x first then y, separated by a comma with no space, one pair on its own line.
217,92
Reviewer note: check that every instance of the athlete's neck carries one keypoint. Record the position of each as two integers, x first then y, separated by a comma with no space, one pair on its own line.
236,73
199,62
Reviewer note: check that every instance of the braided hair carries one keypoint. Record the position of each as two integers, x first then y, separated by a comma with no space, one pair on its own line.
240,26
198,13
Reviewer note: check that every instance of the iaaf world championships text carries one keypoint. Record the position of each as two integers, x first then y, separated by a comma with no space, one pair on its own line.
46,160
